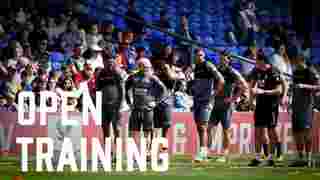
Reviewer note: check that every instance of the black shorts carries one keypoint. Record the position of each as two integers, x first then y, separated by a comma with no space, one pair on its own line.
162,116
141,118
266,118
111,115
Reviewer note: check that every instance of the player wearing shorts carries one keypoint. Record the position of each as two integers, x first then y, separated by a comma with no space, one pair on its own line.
166,70
110,82
141,86
306,82
222,110
203,92
267,86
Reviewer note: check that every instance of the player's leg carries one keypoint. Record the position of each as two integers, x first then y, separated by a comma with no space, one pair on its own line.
261,141
147,120
135,125
308,144
106,122
298,138
202,116
156,123
274,137
167,119
212,126
116,123
166,116
226,124
301,126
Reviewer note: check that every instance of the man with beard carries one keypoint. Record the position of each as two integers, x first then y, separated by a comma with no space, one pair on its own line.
110,81
168,73
207,81
224,103
268,86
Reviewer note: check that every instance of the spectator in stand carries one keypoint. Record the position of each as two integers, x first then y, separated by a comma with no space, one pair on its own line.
184,48
306,49
163,22
11,105
11,86
23,37
71,38
245,20
136,28
53,31
85,80
41,54
3,104
280,59
93,36
182,101
40,32
62,25
68,85
26,80
77,59
94,57
250,53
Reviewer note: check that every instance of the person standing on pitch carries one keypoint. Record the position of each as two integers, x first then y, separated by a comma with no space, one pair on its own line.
203,92
110,81
306,82
222,110
268,87
143,84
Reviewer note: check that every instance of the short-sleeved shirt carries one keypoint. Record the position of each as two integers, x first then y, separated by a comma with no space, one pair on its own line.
205,75
143,90
302,98
110,83
231,76
266,80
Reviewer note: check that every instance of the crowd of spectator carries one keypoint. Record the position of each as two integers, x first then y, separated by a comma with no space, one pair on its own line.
41,53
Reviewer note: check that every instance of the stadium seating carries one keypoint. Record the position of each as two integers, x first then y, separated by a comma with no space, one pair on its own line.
209,20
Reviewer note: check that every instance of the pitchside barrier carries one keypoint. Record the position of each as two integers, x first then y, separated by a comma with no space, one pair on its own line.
182,136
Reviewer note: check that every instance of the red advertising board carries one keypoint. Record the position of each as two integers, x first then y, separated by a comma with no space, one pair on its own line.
182,136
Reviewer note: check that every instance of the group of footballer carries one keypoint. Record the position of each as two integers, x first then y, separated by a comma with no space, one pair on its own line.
215,90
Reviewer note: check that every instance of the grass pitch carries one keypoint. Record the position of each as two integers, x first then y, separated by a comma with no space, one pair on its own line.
180,167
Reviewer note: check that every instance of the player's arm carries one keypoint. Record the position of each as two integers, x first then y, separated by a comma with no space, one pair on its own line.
242,84
276,91
121,87
252,85
279,88
160,85
217,76
285,86
128,86
315,86
170,72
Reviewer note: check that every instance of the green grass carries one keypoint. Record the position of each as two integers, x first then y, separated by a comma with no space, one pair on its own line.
181,166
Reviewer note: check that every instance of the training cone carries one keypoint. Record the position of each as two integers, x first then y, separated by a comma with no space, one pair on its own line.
17,178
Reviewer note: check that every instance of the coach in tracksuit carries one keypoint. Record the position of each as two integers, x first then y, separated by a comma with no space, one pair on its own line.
141,86
203,91
235,85
306,83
